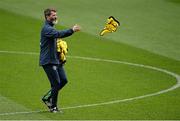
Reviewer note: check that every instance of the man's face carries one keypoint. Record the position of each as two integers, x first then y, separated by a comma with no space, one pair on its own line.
52,17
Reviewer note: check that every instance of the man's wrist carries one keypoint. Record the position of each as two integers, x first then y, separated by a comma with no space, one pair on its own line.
72,30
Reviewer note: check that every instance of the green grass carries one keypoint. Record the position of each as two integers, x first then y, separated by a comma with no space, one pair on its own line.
23,82
147,24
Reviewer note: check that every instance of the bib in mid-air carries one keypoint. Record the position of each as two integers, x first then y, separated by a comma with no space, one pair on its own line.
111,26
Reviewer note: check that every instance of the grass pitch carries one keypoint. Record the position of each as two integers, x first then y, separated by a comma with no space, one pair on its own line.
23,82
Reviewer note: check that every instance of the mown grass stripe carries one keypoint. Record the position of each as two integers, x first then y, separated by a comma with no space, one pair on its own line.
177,85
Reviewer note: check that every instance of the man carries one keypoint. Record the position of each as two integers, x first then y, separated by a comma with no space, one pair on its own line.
49,57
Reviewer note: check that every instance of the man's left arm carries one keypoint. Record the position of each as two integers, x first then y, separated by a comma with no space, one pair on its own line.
52,32
66,33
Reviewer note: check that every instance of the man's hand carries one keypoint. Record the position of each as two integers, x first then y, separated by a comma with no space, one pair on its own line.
76,28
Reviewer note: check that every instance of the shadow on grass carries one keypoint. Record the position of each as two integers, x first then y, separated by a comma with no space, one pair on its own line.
174,1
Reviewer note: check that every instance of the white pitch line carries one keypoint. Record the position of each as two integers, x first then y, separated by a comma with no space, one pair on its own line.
177,85
19,52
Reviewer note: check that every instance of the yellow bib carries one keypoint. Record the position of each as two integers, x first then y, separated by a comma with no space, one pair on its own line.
111,26
62,48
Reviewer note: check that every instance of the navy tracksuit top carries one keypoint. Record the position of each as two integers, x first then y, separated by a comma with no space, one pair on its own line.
48,44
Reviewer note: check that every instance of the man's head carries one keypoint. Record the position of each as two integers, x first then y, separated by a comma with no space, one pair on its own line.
50,15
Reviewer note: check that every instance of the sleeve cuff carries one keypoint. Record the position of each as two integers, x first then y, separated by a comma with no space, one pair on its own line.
71,30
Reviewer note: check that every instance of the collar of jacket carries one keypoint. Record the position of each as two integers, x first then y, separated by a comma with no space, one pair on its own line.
49,22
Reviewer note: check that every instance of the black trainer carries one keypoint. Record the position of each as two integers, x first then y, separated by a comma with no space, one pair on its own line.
48,103
55,110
